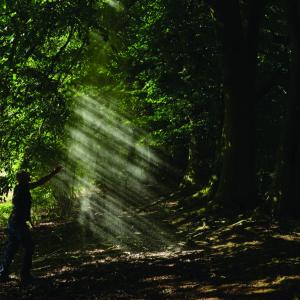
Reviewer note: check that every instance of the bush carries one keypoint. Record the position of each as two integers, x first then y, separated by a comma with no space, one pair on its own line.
5,210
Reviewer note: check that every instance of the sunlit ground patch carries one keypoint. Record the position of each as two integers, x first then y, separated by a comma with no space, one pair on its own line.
288,237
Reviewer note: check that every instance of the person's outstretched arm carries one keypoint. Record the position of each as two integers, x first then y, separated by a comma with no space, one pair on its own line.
44,179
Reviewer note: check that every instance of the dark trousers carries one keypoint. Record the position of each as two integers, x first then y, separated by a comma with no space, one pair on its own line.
18,235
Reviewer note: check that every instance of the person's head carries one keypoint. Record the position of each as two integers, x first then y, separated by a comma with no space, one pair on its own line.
23,176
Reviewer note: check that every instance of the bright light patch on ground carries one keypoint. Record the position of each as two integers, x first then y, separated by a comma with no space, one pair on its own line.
288,237
231,245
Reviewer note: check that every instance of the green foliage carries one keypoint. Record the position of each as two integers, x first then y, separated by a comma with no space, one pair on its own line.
43,52
159,63
167,52
5,209
43,45
44,206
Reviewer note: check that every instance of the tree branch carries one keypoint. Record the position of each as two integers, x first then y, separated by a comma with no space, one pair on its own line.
61,50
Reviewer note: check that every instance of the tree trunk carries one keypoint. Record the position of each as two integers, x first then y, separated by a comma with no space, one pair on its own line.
237,183
198,165
289,164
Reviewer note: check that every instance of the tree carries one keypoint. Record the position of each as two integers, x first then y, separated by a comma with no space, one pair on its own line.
169,66
288,177
239,29
42,45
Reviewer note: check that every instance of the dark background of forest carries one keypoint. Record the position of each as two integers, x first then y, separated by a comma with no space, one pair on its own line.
211,87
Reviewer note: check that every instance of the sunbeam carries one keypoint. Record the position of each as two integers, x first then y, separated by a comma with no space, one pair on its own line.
115,4
115,178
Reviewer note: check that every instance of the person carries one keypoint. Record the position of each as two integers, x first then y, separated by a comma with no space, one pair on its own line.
18,229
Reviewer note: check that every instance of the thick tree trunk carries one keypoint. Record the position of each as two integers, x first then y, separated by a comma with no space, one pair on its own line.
237,179
289,164
237,183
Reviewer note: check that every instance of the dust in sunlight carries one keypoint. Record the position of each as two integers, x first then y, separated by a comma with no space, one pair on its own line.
114,176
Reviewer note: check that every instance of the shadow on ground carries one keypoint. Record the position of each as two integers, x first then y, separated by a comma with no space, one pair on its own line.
244,260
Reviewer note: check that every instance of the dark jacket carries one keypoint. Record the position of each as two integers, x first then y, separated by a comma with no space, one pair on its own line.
21,203
22,200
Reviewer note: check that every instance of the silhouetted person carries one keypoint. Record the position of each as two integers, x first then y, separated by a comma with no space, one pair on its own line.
18,231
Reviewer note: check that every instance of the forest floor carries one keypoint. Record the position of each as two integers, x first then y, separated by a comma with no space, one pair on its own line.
219,259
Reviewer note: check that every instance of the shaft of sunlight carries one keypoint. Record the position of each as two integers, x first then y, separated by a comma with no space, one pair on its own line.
115,176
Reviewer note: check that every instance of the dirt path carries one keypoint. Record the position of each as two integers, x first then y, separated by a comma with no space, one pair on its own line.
244,260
